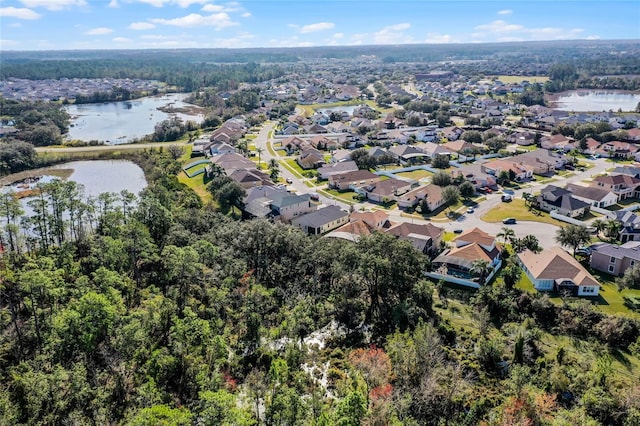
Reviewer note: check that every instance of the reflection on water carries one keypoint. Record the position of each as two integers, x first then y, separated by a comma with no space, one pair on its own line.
121,122
596,100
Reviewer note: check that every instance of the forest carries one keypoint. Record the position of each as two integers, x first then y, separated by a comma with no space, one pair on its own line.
157,309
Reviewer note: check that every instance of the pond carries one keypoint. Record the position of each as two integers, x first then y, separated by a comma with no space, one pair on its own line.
121,122
96,176
347,108
595,100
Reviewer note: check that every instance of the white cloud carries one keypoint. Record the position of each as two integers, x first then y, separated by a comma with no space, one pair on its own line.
319,26
217,20
120,40
99,31
19,12
141,26
181,3
113,4
593,37
8,44
15,25
501,31
436,38
505,12
393,34
246,15
338,36
239,41
54,4
227,7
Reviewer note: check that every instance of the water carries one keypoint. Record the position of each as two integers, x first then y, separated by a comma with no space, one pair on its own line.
121,122
106,176
347,108
596,100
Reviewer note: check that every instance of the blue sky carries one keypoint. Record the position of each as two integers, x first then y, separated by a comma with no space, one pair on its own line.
130,24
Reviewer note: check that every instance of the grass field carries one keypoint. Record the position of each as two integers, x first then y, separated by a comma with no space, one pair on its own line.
346,196
415,174
518,210
197,184
520,78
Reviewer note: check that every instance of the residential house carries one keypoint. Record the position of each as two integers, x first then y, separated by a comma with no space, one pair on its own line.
618,149
630,222
321,221
624,186
473,244
452,133
427,134
200,146
218,148
463,147
633,134
294,143
615,259
315,129
555,269
633,171
406,153
232,161
558,142
352,180
543,162
270,201
425,238
520,171
336,168
522,138
592,146
352,231
385,191
560,200
432,148
431,193
475,174
340,155
248,178
597,197
310,158
323,143
376,219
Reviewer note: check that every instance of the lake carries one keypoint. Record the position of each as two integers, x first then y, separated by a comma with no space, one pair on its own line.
96,176
347,108
121,122
595,100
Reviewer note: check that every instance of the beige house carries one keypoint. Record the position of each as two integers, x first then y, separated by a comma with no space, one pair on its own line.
387,190
555,269
351,180
321,221
432,193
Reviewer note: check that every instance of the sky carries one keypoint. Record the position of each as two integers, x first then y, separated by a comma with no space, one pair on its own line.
135,24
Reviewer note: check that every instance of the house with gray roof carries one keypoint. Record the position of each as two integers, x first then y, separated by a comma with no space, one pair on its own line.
633,171
614,259
597,197
630,225
321,221
331,169
560,200
277,203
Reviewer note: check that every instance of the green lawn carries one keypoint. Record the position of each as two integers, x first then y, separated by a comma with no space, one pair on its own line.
346,196
518,210
197,184
520,78
415,174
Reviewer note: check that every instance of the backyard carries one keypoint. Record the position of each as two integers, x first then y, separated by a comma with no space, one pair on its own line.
519,211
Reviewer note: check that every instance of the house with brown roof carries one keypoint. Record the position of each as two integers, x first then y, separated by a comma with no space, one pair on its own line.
248,178
543,162
376,218
592,146
558,141
556,270
323,143
519,170
474,174
461,147
353,180
310,158
386,191
231,161
352,231
473,244
294,143
431,193
623,186
425,238
618,149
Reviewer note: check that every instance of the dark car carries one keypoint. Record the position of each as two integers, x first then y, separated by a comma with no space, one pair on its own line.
569,167
457,231
509,221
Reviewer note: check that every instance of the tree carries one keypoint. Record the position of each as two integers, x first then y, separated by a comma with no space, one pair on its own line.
441,178
481,268
507,234
631,278
467,190
450,195
472,136
229,195
495,144
274,169
600,225
613,228
175,151
362,159
259,150
572,236
440,161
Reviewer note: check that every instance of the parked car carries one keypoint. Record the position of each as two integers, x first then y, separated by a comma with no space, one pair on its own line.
457,231
314,196
509,221
569,167
506,198
470,210
289,180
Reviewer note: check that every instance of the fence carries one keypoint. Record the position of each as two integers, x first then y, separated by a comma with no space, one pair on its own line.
567,219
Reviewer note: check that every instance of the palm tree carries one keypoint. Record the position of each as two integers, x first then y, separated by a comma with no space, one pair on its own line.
259,150
507,234
481,268
600,225
573,236
613,228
